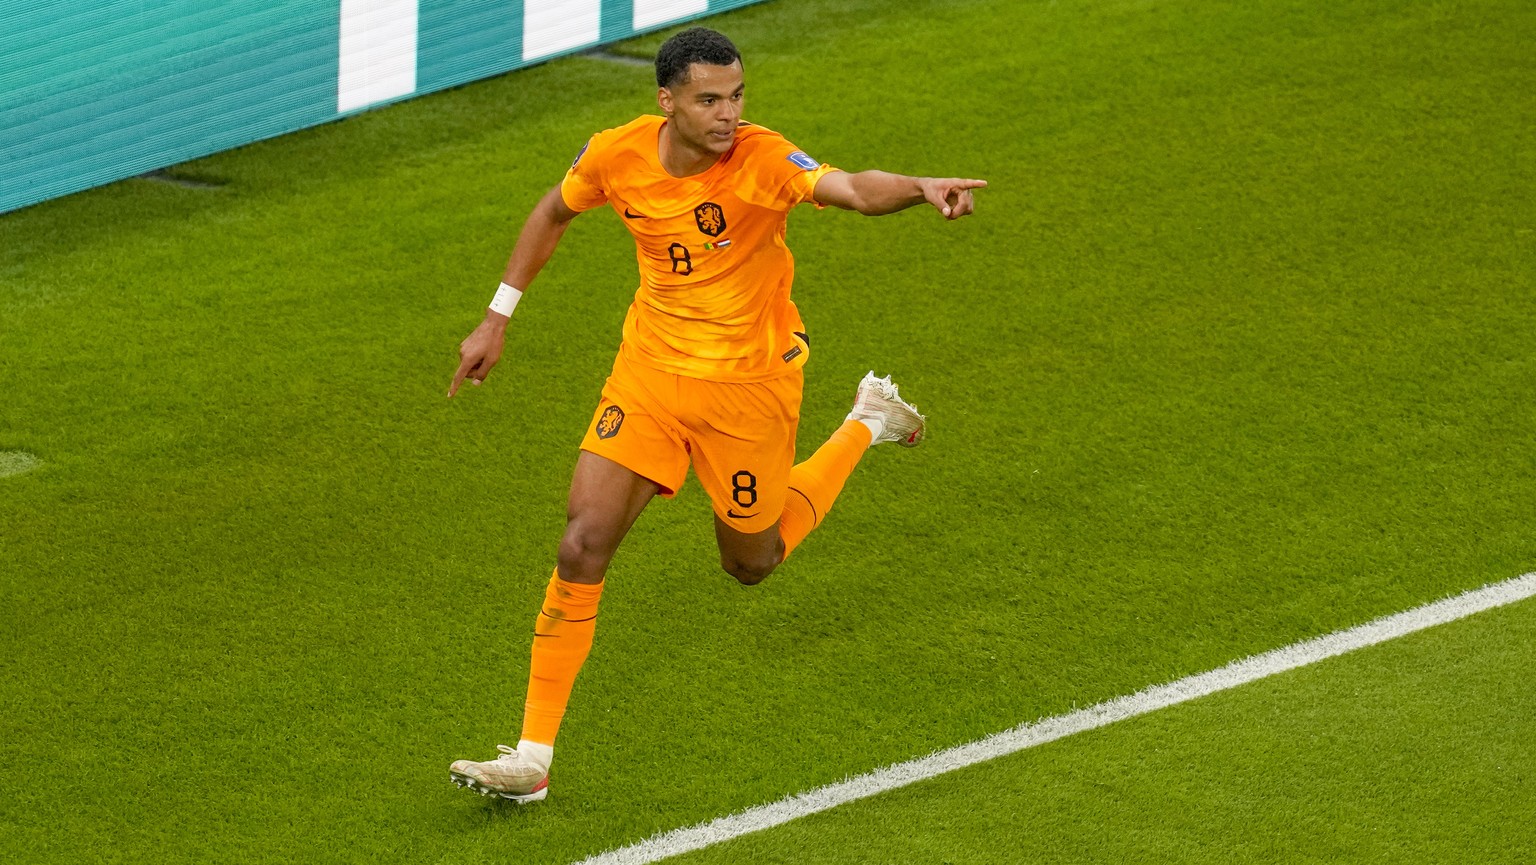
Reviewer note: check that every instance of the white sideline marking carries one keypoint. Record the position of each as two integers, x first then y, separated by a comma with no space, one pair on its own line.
679,841
17,462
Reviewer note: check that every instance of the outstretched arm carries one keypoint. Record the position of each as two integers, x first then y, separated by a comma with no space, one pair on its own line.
535,244
876,193
538,239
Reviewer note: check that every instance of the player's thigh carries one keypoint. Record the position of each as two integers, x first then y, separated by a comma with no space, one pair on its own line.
631,452
606,499
743,450
635,426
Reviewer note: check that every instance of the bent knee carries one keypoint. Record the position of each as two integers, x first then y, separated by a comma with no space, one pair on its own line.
584,553
749,571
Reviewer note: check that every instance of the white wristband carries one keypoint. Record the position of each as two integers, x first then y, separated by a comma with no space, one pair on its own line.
506,300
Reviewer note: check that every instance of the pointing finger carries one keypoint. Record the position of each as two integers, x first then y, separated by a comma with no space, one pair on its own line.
458,377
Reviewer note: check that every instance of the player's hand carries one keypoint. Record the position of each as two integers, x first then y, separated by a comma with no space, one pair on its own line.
479,351
951,195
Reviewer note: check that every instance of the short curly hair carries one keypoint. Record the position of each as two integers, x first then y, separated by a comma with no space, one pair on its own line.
694,45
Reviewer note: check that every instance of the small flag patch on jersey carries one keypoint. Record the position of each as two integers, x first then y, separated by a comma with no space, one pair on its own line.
799,158
719,244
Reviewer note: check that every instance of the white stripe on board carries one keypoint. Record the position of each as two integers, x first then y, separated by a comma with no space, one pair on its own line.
552,26
378,52
651,13
1024,736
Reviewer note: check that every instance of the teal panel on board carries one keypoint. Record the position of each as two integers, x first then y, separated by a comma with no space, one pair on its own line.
99,91
92,91
466,40
618,20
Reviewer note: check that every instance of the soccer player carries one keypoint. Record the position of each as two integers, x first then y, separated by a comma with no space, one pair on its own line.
710,367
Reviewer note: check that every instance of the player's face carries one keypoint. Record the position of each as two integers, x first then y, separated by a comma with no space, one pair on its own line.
705,109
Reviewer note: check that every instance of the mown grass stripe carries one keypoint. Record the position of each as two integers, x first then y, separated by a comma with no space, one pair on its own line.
1241,672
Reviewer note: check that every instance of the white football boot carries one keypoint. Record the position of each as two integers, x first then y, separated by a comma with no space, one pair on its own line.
510,776
879,405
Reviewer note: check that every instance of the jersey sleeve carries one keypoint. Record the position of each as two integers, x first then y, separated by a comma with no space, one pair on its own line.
801,185
785,175
583,187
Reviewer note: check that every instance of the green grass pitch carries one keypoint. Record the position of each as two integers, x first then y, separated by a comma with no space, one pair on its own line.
1235,351
1410,751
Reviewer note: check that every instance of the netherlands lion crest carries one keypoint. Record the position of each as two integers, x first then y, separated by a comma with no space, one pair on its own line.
710,217
608,425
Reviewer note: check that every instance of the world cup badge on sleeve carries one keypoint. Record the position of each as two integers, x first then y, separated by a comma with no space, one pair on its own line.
799,158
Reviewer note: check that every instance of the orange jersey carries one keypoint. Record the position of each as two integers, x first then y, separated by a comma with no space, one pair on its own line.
715,272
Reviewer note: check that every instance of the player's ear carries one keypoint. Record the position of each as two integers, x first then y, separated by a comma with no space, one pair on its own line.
664,99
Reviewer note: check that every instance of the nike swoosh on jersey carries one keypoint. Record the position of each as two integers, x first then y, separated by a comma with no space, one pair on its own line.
735,516
628,215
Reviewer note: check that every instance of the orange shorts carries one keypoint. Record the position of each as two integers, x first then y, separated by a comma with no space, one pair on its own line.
740,436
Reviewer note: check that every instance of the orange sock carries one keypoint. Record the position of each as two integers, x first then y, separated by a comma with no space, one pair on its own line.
562,637
815,483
